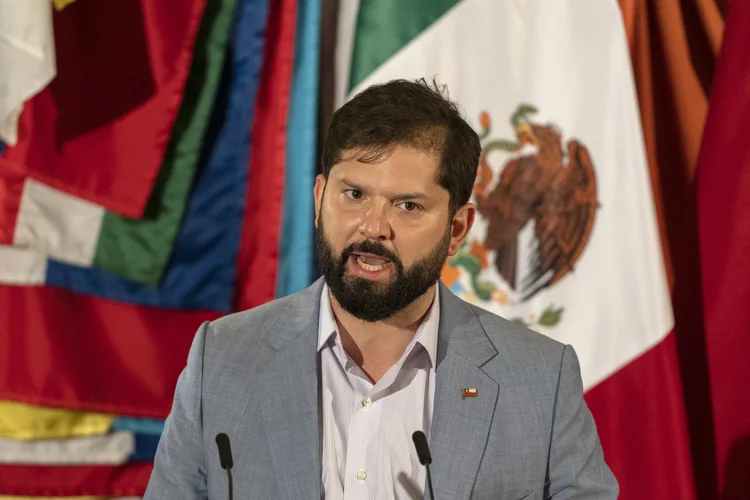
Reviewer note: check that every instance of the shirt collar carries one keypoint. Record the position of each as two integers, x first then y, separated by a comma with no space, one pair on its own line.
426,335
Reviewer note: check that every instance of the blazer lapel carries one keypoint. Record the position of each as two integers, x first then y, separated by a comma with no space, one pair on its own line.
460,425
290,399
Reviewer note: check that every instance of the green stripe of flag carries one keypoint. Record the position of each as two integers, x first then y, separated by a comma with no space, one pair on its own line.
139,249
384,26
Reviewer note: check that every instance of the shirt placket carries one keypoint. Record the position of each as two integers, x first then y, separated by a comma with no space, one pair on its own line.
360,477
363,444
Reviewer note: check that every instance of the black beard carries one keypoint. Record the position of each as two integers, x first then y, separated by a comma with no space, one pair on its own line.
370,300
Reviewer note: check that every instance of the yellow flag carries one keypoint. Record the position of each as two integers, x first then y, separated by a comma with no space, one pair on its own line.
60,5
25,421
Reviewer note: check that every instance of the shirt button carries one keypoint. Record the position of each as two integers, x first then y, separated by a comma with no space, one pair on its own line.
361,475
366,402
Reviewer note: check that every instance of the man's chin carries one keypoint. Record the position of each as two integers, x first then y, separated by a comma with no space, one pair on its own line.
361,295
358,284
366,310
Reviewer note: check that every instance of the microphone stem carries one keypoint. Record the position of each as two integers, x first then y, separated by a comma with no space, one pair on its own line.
429,482
229,477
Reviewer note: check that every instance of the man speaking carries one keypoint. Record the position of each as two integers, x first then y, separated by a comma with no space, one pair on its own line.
320,394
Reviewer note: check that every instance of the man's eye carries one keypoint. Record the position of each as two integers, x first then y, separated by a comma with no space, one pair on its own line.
410,206
355,194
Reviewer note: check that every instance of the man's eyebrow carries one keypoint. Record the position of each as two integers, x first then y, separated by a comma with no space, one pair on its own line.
409,196
403,196
351,184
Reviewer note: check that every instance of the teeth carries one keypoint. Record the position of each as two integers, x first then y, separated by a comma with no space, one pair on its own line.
369,267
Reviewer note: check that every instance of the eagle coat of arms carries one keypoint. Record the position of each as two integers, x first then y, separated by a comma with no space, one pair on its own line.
553,186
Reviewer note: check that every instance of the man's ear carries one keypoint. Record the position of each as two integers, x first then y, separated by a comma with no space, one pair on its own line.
460,227
318,191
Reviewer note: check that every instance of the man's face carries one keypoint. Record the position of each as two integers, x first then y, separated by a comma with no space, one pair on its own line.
384,232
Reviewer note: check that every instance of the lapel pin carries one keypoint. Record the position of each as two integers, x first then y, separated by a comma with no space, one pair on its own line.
468,392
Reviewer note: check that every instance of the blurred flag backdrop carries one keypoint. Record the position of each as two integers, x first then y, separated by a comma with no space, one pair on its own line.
156,171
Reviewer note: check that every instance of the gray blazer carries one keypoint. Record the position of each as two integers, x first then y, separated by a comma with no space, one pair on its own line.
528,433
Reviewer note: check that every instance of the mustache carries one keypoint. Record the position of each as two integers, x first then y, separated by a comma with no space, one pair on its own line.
367,246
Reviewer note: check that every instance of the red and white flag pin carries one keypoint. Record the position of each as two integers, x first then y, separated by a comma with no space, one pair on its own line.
468,392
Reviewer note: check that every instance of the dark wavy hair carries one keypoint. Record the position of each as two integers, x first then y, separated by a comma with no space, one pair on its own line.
406,113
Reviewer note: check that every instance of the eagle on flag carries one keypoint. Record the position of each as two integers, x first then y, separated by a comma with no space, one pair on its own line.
551,185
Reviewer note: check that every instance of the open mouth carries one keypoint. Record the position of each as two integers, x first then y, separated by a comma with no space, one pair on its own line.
370,263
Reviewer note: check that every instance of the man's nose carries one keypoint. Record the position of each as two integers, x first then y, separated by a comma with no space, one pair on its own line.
375,224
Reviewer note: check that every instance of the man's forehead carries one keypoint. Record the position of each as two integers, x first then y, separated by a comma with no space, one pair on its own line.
407,177
406,158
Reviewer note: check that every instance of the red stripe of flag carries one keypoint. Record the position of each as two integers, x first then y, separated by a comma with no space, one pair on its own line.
261,234
640,415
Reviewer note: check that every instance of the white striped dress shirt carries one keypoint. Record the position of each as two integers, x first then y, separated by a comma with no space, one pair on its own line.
366,447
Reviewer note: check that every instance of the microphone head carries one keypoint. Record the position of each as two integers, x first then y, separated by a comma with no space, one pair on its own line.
225,451
423,449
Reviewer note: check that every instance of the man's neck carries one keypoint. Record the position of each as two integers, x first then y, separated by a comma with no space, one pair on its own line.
377,346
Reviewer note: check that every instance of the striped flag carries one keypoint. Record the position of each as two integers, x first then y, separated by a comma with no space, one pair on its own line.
79,444
139,249
566,240
200,280
74,231
201,274
25,421
100,129
131,340
198,276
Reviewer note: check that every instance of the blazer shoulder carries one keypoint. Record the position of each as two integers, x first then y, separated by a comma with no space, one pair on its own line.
514,334
519,348
245,340
248,326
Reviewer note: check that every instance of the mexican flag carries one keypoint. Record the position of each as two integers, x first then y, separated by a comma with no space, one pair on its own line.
566,240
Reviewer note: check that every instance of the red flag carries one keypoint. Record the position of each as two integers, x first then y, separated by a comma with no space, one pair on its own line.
640,416
99,131
724,229
53,339
95,480
259,250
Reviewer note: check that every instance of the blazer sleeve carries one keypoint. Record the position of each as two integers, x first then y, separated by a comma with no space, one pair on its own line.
576,469
179,469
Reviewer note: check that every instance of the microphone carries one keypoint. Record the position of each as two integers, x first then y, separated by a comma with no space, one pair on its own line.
423,452
225,458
